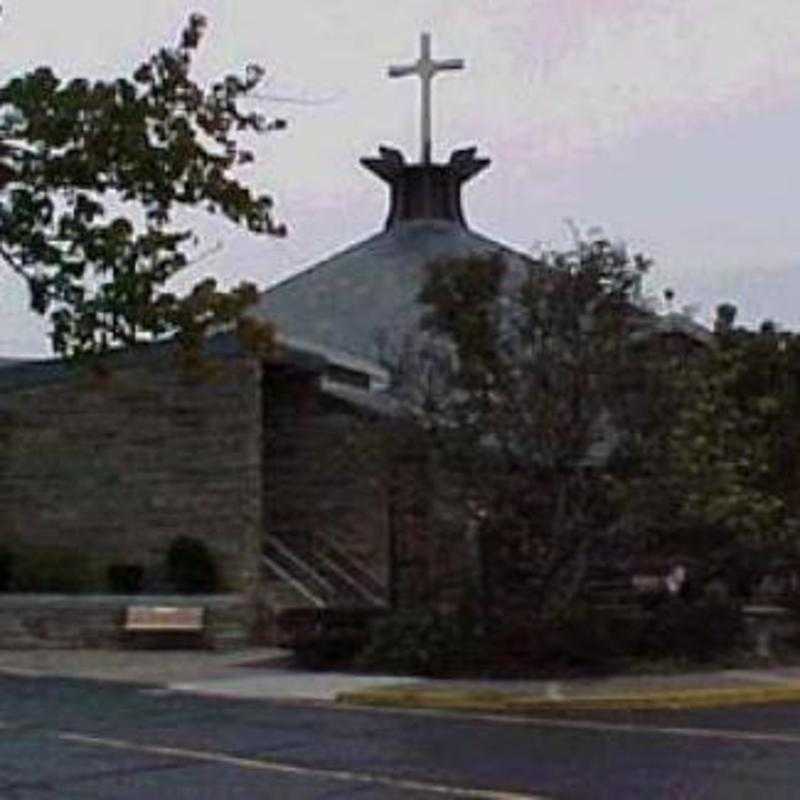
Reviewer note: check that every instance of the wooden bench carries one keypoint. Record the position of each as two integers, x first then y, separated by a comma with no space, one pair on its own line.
185,624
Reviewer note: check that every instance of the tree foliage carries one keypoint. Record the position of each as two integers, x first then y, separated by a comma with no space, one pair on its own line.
571,430
517,382
93,175
711,469
733,449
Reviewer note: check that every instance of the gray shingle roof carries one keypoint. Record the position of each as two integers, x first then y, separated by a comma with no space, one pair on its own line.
362,301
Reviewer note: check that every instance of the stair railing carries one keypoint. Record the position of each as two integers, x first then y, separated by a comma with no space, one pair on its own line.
361,590
299,564
375,587
287,577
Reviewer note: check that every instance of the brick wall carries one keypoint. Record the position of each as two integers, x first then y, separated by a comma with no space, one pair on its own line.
118,465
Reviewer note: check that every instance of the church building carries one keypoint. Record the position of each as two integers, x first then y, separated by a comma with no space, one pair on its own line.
253,462
356,311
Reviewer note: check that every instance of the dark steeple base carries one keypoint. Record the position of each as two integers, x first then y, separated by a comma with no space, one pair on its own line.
425,191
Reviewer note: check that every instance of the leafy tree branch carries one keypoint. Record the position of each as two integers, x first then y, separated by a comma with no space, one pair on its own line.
92,177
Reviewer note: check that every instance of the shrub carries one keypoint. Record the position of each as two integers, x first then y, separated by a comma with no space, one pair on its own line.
326,651
425,643
6,568
53,569
422,642
191,568
580,639
125,578
693,631
327,638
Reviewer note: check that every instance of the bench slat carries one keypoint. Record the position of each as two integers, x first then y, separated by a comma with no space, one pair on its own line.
164,618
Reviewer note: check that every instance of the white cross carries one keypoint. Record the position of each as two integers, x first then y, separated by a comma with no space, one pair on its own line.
426,68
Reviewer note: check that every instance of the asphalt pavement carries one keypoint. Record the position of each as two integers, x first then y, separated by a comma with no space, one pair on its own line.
69,737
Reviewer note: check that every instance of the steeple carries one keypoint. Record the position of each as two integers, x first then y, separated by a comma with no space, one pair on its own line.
425,190
360,306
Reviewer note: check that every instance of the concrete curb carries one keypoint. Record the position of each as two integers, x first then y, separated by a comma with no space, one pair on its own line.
496,702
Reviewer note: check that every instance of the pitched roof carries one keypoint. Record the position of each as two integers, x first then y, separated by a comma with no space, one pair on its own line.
363,301
357,307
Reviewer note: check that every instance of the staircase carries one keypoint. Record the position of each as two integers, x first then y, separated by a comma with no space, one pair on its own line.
317,590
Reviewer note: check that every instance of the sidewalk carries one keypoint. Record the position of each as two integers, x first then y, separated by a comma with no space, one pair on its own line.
262,673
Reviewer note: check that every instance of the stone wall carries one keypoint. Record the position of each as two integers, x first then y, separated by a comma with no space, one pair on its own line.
55,622
116,465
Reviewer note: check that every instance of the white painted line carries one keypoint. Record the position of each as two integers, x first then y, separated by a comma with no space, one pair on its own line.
621,727
293,769
21,672
583,724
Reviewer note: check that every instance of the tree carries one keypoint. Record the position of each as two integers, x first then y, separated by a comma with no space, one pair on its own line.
518,382
713,471
92,177
734,445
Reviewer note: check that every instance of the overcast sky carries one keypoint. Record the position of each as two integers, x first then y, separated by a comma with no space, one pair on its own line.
672,124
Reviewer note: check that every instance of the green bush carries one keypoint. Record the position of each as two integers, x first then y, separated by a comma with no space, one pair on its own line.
581,639
421,642
59,570
327,638
425,643
125,578
191,568
7,559
588,639
327,652
694,631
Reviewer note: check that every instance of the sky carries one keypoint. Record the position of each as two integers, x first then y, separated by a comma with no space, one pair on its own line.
672,125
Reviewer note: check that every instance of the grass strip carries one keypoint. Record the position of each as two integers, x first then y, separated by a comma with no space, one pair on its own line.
497,702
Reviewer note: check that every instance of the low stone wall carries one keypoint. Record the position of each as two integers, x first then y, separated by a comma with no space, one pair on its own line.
34,622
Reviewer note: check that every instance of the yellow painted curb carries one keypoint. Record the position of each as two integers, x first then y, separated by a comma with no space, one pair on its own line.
504,703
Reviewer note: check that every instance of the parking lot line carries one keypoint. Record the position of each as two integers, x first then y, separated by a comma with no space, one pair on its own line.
21,672
261,765
584,724
625,727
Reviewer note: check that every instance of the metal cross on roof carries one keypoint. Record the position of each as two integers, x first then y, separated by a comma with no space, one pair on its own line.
426,68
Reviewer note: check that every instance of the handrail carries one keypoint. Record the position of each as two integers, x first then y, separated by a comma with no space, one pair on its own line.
365,593
292,581
300,564
331,544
